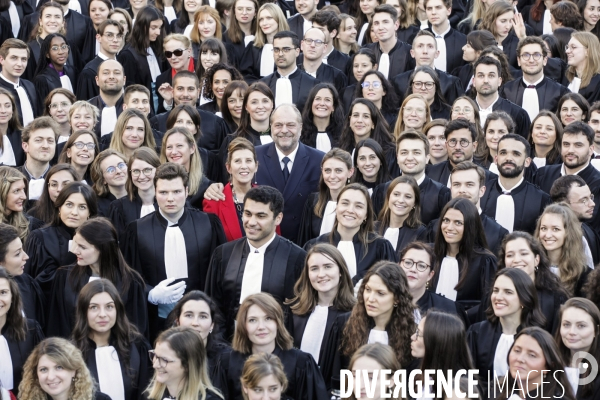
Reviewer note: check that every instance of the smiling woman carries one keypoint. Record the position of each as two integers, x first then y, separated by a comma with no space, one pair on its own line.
109,173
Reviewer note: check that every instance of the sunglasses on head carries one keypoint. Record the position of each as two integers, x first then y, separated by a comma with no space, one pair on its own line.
176,53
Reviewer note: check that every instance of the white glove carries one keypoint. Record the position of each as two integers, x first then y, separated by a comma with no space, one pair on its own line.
165,294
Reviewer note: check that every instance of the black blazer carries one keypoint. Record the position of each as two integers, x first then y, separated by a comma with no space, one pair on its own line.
303,180
455,41
31,94
549,93
400,59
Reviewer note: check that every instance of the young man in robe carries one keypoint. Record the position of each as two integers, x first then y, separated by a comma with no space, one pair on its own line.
260,262
449,41
111,80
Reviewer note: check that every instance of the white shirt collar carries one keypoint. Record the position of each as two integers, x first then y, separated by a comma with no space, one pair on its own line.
102,55
516,186
491,105
563,172
15,85
534,83
169,221
443,34
421,179
262,248
291,156
328,54
288,75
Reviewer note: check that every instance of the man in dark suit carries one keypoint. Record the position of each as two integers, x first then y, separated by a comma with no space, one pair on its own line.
534,92
288,83
110,37
110,79
287,165
300,23
486,81
13,58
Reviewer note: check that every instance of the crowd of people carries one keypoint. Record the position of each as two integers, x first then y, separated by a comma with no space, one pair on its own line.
241,199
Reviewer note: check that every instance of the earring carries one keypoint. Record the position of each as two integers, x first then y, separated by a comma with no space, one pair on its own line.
209,332
427,285
396,305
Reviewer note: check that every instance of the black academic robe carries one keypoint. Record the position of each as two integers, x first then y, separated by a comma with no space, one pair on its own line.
378,249
554,69
483,338
310,224
20,350
23,8
98,102
296,24
5,28
211,107
144,250
281,269
48,80
431,300
509,47
407,35
31,95
63,301
464,75
434,197
165,77
214,129
14,136
303,180
104,204
455,41
593,241
494,232
250,63
538,26
441,173
136,375
592,91
347,97
302,83
304,378
400,59
440,110
451,86
34,301
296,326
529,204
549,93
86,83
328,74
124,211
482,268
518,114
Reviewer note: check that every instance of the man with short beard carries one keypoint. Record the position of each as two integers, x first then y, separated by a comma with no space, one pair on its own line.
110,79
513,202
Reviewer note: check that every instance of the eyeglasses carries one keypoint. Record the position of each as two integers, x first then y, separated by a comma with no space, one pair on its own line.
427,85
284,50
62,104
113,170
463,142
176,53
465,110
162,362
81,145
567,48
408,264
584,201
62,47
112,36
374,84
316,42
527,56
410,110
145,171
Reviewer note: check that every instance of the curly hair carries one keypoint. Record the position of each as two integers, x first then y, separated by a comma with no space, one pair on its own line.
8,176
210,74
401,325
66,355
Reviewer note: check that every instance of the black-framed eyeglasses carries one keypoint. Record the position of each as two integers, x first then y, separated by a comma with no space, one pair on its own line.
407,263
81,145
584,201
61,47
113,170
176,53
316,42
536,56
463,143
427,85
374,84
145,171
284,50
162,362
112,36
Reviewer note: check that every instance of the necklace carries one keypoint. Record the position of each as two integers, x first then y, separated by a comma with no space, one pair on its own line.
238,206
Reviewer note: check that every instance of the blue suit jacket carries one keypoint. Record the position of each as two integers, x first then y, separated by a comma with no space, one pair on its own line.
303,180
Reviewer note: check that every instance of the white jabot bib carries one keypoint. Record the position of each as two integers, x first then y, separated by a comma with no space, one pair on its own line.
448,279
283,91
573,377
109,119
494,168
149,209
266,139
392,234
36,187
175,261
588,253
188,31
505,207
362,33
170,13
7,156
267,62
531,102
248,39
539,162
346,247
328,217
6,366
547,28
440,61
153,64
323,142
314,331
384,64
15,21
574,85
75,6
110,378
378,337
252,280
26,108
501,354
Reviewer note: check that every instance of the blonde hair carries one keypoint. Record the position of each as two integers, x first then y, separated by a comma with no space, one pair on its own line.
270,306
92,109
259,366
195,173
204,12
592,66
8,176
261,39
399,127
189,347
69,357
179,38
96,173
381,353
477,14
116,141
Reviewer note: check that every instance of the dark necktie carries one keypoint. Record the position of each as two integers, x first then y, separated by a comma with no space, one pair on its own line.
530,86
286,171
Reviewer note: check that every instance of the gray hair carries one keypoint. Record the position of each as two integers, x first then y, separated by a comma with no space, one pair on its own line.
290,105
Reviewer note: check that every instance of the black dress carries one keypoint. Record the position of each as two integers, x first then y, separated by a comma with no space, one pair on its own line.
63,301
104,203
34,301
20,350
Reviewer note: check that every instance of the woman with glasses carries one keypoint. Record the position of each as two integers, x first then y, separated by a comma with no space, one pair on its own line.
466,108
11,152
109,174
434,131
322,293
113,349
96,248
80,151
56,179
583,52
58,106
414,114
180,367
52,70
362,61
257,59
545,139
375,87
418,261
132,131
140,200
322,121
512,305
425,81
